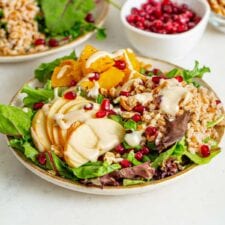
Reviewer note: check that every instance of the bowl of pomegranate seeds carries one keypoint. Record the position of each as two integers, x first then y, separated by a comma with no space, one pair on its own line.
165,29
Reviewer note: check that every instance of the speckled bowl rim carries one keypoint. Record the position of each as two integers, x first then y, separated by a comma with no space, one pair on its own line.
107,190
30,56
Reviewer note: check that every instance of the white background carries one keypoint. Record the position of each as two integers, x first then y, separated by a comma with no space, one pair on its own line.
197,198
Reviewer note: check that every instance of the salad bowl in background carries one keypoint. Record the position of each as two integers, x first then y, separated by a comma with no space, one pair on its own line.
99,13
120,190
166,46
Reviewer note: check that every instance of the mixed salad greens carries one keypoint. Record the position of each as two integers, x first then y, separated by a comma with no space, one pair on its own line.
16,122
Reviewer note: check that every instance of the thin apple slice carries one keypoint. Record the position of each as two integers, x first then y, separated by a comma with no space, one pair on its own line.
50,117
109,132
39,132
81,142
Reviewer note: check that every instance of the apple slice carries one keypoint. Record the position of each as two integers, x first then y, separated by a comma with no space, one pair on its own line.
109,132
81,146
50,117
39,132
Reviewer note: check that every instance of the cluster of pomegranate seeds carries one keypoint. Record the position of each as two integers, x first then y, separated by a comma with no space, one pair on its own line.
104,109
125,163
164,17
156,79
179,78
136,117
120,64
125,93
70,95
205,151
94,77
88,106
120,149
151,131
105,105
38,105
145,151
41,158
89,18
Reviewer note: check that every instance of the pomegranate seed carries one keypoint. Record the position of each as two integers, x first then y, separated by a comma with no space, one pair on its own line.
100,114
205,151
70,95
89,18
151,131
105,106
89,106
125,93
139,108
139,155
120,149
136,117
73,83
125,163
94,77
41,158
39,41
38,105
179,78
120,64
145,151
111,112
156,80
218,101
53,42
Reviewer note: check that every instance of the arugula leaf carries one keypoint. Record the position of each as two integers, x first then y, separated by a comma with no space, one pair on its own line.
37,95
14,121
131,158
101,34
92,170
129,182
200,160
217,121
189,75
130,125
163,157
65,13
45,70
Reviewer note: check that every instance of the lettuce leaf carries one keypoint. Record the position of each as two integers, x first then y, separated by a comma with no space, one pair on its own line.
30,152
129,182
65,14
130,125
14,121
45,70
92,170
37,95
131,158
215,122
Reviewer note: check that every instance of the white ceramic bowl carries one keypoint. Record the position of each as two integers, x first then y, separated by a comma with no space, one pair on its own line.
166,46
100,13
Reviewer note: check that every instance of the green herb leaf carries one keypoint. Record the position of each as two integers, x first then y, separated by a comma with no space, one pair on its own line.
44,72
92,170
99,99
174,72
37,95
101,34
131,158
129,182
30,152
65,14
130,125
117,118
14,121
217,121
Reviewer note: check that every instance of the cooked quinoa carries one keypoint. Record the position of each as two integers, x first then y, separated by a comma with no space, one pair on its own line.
21,28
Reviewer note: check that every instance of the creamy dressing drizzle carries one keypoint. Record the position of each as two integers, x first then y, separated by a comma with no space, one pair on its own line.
133,139
143,98
171,96
93,92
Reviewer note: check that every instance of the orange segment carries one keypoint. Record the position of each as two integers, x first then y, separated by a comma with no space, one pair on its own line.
111,78
87,84
101,64
133,59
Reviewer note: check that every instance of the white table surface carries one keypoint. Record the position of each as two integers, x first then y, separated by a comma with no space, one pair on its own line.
195,199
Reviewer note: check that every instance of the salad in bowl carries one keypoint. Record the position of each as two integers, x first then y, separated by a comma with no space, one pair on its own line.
111,120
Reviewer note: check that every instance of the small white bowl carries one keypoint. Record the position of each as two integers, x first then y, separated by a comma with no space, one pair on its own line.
166,46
